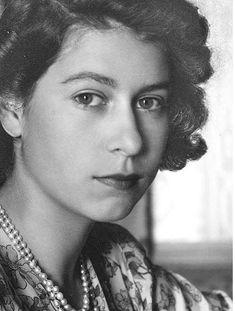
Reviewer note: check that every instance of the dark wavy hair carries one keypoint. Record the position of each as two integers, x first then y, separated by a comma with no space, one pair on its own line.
32,33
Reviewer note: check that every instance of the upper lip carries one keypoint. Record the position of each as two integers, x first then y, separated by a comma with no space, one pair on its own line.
121,177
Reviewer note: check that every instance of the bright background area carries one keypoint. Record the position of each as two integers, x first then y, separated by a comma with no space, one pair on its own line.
195,204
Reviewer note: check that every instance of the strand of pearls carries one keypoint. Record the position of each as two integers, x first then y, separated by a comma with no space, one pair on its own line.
53,290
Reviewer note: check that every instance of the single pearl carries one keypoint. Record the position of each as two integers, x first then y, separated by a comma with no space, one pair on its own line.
37,270
15,232
22,253
48,289
57,304
15,242
20,238
59,296
8,221
86,297
12,227
11,236
18,247
64,302
27,250
67,307
23,244
85,284
43,276
27,258
30,255
86,303
52,295
56,289
49,283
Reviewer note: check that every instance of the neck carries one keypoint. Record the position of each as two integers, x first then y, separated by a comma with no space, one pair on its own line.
55,234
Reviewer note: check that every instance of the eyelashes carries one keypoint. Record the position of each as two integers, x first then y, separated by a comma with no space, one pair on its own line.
146,103
89,99
151,103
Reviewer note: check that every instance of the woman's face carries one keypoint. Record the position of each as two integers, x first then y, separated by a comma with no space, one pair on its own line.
97,124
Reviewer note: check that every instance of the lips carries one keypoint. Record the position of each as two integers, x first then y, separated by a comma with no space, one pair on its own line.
120,181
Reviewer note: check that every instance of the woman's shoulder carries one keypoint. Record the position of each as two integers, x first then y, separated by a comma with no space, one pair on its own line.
170,291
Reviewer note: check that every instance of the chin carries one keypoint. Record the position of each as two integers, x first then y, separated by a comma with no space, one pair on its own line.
114,211
113,217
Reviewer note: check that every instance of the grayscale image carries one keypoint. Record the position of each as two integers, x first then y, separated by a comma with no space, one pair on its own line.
115,155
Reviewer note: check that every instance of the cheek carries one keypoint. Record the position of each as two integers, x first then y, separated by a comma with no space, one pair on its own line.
155,147
155,134
58,140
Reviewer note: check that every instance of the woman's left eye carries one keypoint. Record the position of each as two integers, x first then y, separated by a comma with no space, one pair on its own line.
151,103
89,99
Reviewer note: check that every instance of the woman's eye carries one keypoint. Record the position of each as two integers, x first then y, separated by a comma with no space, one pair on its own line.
151,103
89,99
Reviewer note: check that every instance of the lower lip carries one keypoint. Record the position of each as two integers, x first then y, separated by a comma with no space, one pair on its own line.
118,184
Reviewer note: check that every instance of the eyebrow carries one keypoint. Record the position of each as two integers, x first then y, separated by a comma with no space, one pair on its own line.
164,85
87,75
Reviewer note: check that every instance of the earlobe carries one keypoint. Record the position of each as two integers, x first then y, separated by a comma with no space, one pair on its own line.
11,119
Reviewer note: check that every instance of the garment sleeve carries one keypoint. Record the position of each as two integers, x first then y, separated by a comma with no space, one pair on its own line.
147,286
170,291
174,293
219,299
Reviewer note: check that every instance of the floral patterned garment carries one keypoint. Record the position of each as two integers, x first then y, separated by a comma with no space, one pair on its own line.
123,279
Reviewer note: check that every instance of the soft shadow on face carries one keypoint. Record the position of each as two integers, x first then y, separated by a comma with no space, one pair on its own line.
97,124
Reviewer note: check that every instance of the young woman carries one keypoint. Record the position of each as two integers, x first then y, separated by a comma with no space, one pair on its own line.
96,96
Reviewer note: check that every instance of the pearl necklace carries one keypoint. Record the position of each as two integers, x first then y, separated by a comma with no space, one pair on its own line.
54,293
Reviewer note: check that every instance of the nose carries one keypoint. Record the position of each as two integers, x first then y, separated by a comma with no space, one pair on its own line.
124,135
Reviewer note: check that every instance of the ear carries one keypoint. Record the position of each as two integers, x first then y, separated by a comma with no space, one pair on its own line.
11,114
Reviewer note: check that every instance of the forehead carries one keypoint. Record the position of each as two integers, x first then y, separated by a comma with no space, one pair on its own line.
118,53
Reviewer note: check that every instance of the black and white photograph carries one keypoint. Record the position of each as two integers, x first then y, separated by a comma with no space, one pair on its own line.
116,155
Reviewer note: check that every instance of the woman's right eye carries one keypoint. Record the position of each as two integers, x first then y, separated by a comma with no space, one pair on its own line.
89,99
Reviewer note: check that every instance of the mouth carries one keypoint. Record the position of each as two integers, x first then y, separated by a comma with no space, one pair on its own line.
119,181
